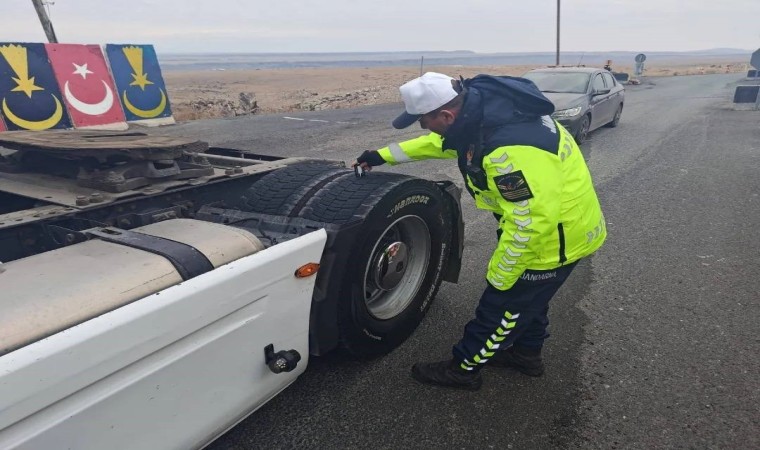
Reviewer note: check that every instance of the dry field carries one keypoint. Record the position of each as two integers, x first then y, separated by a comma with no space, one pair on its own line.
210,94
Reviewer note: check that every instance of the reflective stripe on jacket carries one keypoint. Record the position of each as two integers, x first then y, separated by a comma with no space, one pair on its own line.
423,147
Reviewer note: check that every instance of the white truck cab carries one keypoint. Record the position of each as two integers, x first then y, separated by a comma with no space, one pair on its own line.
185,293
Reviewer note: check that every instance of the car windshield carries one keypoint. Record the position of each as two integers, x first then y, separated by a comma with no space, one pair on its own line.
564,82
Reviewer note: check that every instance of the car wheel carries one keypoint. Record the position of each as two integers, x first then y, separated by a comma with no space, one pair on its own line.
616,119
397,263
582,133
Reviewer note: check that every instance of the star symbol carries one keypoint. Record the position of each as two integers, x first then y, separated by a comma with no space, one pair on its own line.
140,80
81,70
16,57
26,85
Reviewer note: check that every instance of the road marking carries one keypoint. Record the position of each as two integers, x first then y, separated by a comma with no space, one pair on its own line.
317,120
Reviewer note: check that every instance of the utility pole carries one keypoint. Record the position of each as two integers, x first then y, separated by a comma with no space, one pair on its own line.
558,1
45,21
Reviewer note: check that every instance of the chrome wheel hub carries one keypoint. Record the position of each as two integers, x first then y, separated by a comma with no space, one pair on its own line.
391,265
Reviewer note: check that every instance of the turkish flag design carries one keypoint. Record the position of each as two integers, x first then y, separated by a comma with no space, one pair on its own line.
86,85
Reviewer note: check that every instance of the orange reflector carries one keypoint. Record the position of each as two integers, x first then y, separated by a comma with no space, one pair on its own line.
307,270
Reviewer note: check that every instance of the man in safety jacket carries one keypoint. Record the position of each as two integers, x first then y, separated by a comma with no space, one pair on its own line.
525,168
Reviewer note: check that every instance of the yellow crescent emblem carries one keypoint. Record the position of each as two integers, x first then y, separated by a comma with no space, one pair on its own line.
50,122
145,113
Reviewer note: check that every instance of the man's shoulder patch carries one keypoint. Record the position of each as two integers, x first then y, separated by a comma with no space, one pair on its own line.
513,186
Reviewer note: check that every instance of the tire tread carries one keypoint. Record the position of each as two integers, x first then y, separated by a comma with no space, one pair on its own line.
348,198
279,192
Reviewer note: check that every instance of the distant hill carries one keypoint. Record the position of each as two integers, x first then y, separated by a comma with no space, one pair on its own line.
231,61
723,51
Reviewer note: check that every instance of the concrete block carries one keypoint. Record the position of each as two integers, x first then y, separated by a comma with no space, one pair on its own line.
746,94
621,76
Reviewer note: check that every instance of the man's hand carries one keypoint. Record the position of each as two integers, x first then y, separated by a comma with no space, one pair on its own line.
364,165
368,159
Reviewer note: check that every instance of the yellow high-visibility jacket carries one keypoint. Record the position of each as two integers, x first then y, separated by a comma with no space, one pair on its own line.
538,182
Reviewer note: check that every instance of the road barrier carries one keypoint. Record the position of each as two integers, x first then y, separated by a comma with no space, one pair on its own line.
49,86
746,94
621,76
747,97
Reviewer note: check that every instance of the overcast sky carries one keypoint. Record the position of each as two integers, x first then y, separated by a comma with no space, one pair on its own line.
485,26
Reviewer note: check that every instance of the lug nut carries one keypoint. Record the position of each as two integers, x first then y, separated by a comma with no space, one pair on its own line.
229,171
95,197
238,169
82,200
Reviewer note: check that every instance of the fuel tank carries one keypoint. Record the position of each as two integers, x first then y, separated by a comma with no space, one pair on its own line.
50,292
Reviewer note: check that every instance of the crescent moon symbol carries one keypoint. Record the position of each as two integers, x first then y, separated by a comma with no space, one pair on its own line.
92,109
145,114
50,122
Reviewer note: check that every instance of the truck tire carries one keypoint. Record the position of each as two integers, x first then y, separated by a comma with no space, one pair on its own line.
395,269
283,191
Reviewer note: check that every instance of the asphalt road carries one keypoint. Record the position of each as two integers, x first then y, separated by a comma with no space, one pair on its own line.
655,340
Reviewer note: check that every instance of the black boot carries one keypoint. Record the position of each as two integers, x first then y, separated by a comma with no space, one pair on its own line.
447,373
522,359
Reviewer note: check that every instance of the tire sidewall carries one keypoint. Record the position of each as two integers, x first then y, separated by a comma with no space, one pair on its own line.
618,113
362,332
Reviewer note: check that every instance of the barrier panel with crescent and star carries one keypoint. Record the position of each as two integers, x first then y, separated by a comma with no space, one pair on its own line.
139,82
87,87
29,94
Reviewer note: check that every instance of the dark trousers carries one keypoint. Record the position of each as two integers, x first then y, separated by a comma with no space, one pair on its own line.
517,316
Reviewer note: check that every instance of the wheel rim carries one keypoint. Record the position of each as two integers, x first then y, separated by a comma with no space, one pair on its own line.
396,267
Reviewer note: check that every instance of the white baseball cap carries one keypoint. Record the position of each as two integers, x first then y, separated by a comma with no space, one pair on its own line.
422,95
